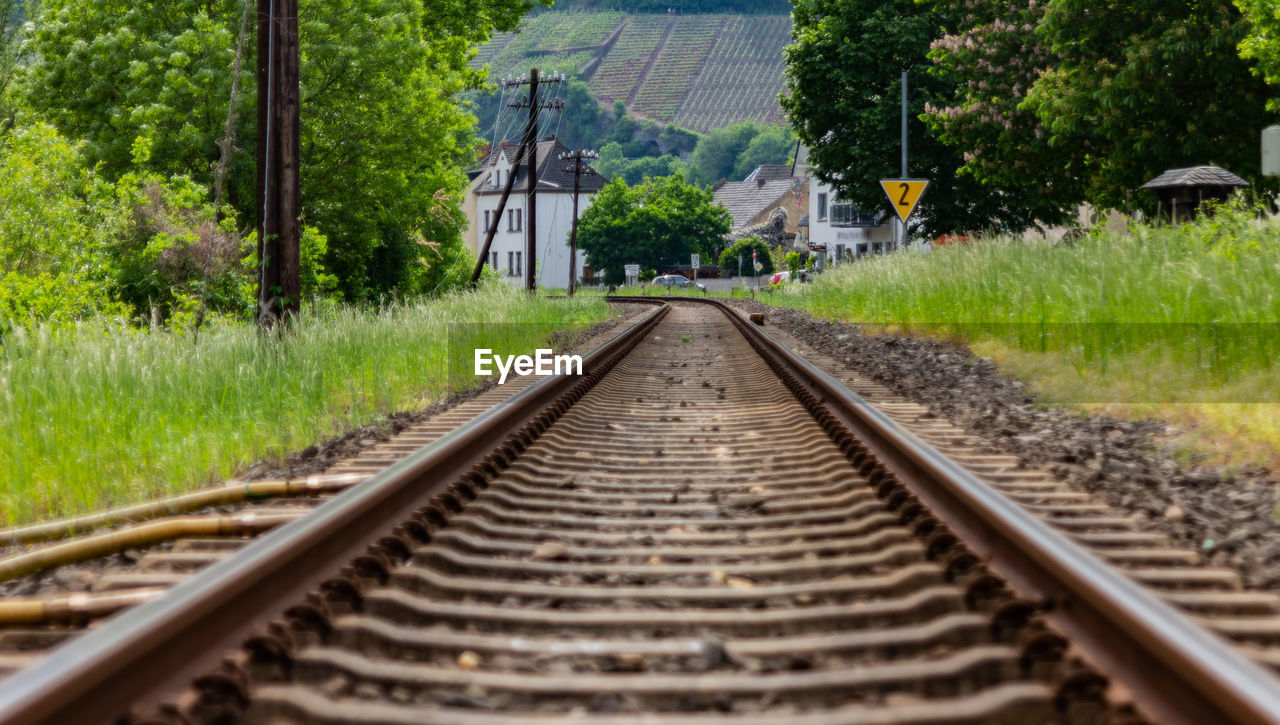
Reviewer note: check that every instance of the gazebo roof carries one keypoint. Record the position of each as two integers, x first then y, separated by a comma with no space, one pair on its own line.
1194,177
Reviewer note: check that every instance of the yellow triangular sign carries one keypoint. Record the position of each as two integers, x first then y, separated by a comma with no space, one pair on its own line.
904,194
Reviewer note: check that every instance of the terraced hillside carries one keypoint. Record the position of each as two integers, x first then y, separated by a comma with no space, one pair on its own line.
700,72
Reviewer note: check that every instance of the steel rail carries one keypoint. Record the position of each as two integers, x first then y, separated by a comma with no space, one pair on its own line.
158,647
1177,671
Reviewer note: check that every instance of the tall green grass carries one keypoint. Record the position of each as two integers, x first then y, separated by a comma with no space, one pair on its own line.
102,413
1201,300
1175,322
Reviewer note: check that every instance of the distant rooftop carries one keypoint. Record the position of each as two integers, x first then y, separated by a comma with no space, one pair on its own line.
746,199
770,172
1196,176
552,175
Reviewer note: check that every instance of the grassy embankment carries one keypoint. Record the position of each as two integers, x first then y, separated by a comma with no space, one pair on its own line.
1175,323
104,414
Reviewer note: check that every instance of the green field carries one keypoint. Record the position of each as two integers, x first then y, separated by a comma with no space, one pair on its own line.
105,414
702,71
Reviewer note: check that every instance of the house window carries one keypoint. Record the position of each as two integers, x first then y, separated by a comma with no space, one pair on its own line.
493,257
844,214
486,220
518,267
822,207
513,220
511,264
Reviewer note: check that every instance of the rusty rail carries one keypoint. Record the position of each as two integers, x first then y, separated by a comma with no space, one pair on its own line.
1177,671
160,645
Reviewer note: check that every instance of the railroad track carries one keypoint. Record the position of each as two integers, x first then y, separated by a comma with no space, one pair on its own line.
705,528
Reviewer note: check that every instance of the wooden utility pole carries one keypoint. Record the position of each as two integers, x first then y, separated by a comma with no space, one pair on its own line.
497,217
279,257
529,146
578,169
531,197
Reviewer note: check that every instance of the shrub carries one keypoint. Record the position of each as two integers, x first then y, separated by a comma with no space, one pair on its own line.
744,247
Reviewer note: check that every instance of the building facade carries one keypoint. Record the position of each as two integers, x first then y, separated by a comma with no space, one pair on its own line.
507,254
838,228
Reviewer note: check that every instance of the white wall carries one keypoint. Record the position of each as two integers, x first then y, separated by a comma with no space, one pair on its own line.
555,220
854,240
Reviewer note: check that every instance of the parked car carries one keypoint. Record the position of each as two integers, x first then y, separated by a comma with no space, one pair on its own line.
781,278
675,280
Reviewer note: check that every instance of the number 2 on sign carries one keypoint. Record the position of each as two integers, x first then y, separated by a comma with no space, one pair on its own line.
904,194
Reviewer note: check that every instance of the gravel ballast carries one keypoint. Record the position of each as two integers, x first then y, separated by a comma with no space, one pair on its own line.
1226,515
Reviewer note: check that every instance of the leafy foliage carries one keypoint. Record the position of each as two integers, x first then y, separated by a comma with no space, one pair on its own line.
1261,43
991,59
12,16
659,222
744,248
57,222
383,141
73,244
1148,86
844,71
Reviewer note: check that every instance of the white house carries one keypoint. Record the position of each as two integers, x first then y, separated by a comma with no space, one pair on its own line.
554,217
839,226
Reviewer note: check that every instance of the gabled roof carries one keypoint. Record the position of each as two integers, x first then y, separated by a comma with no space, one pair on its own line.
552,176
1196,176
746,199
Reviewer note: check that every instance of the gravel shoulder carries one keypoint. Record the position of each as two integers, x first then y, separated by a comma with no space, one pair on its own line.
1228,516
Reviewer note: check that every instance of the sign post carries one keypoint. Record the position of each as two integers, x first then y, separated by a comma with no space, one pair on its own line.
755,262
633,274
904,195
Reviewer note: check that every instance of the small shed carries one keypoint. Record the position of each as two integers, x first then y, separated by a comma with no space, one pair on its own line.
1183,191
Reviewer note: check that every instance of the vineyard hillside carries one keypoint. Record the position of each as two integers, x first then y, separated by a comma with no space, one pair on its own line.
701,72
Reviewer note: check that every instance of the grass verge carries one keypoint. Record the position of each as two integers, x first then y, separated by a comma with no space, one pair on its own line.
103,414
1179,323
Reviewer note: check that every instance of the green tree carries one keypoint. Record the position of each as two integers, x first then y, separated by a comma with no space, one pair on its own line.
844,73
1147,86
743,248
717,153
1261,43
58,221
658,222
581,119
384,142
989,62
770,146
110,72
13,13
